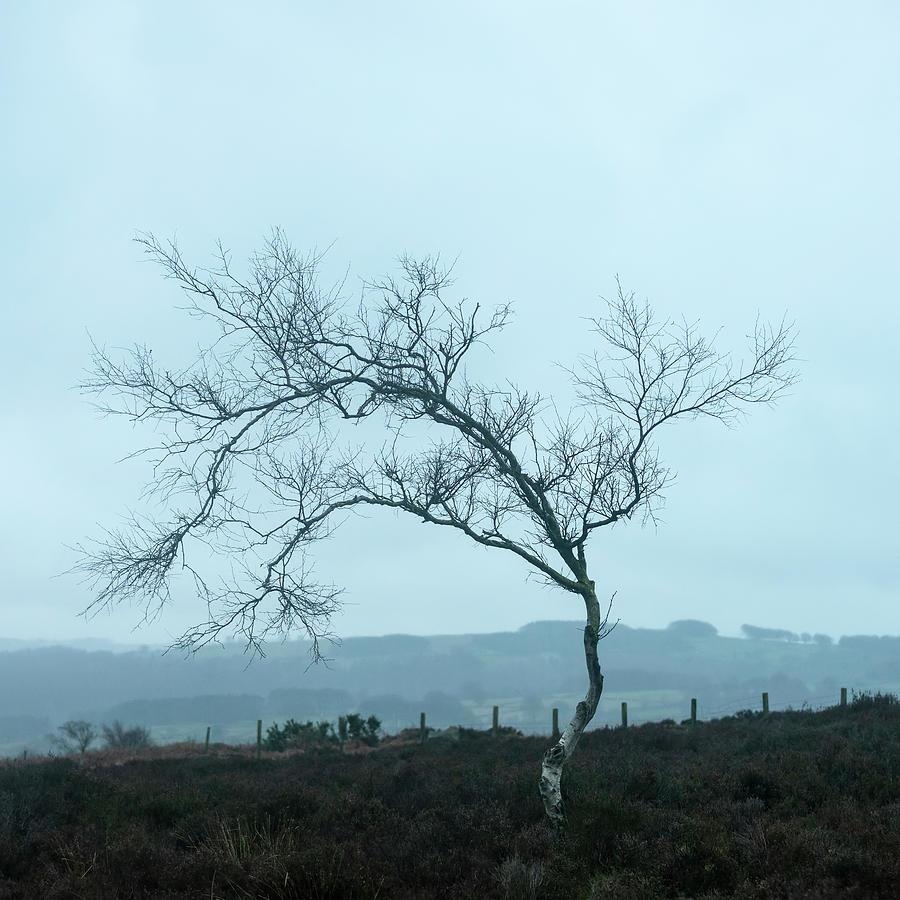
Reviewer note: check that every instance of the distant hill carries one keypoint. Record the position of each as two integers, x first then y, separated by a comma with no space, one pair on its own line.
455,678
74,643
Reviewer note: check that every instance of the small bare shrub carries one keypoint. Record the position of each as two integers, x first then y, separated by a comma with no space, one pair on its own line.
76,735
117,736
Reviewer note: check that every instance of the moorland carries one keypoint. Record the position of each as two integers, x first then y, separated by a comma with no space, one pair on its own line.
790,804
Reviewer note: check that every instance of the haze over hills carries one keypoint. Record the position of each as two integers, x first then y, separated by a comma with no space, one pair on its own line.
89,643
454,678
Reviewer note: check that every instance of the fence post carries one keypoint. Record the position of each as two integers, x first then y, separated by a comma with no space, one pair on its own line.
624,714
765,701
843,696
423,731
693,710
555,724
258,738
495,727
206,742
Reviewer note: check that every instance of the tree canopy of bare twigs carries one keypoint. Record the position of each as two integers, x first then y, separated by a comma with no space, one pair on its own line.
75,736
261,404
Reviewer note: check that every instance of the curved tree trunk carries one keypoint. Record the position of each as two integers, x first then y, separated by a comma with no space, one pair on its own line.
555,758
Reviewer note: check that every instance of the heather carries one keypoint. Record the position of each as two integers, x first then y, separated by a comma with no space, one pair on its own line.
793,804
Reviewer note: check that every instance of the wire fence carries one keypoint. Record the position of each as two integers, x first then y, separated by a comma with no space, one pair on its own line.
534,718
696,712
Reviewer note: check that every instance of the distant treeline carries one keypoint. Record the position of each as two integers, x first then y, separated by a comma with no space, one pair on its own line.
397,676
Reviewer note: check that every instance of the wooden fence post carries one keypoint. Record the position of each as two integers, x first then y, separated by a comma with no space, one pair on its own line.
765,701
693,710
206,742
624,714
495,727
258,738
555,724
423,731
843,696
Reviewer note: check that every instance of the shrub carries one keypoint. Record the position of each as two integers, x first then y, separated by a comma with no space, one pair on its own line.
295,734
74,735
119,737
365,731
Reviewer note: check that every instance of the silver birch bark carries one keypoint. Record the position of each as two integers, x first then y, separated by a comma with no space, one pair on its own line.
556,757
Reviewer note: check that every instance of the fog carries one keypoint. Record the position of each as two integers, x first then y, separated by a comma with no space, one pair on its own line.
724,162
455,680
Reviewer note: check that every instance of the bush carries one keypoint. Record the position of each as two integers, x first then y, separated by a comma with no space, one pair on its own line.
75,735
118,737
293,735
365,731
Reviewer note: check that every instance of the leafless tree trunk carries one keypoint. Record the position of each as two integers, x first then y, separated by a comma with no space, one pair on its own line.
556,756
261,407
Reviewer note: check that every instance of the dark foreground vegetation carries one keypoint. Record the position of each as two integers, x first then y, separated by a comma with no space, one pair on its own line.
796,804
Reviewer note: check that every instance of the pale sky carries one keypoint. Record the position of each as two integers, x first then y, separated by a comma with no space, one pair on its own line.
725,160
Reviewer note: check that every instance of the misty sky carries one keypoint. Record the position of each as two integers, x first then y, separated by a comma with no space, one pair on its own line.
725,160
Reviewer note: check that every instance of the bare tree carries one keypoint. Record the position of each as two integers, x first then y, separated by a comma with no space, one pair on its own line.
118,736
74,736
260,409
